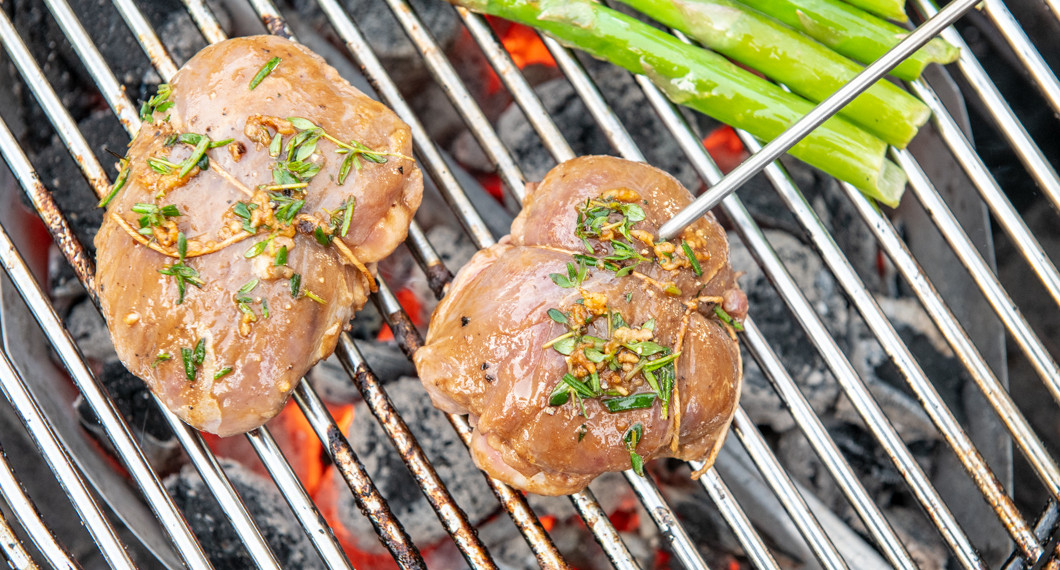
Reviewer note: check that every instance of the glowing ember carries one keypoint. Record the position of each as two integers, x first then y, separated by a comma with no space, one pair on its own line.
725,148
523,44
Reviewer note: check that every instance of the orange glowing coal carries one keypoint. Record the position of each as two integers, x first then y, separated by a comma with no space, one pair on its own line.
725,147
523,44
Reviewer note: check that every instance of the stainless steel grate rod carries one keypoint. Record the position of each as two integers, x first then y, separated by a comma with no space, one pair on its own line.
27,516
1043,77
1006,120
453,193
58,459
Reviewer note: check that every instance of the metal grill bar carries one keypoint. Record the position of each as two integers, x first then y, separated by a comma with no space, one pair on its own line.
1009,220
786,492
12,548
974,263
469,218
1044,78
940,415
319,532
1010,126
957,337
26,514
58,459
749,538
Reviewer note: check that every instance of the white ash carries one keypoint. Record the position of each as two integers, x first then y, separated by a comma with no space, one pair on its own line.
443,448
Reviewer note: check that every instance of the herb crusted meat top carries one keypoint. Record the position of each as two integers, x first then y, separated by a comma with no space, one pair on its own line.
580,344
235,243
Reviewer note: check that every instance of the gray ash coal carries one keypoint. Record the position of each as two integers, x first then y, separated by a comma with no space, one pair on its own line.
279,527
441,446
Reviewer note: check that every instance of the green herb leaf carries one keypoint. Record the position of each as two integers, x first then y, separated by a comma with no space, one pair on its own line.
558,316
281,256
582,431
189,366
632,438
565,346
631,402
162,357
264,71
301,124
199,354
296,284
617,321
561,280
123,178
645,348
323,238
222,373
691,258
257,249
243,210
248,286
726,318
560,395
274,145
159,102
595,355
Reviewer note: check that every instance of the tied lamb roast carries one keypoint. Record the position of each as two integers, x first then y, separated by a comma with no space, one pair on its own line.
235,245
580,343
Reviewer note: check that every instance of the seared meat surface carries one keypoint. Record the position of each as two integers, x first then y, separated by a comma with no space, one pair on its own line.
235,251
579,344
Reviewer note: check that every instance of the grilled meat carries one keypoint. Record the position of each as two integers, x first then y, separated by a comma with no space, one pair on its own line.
235,244
579,344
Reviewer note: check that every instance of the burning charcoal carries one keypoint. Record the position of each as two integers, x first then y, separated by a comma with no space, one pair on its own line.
279,527
442,447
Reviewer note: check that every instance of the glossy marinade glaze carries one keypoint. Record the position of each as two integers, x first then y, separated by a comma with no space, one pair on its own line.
491,348
270,247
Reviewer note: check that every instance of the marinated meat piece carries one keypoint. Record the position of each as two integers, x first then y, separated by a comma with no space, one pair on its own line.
235,244
580,344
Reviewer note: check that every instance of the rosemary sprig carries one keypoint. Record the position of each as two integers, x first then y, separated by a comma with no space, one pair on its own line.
296,284
184,274
264,71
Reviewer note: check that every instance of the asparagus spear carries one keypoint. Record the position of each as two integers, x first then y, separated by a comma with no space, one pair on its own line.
890,9
709,83
784,55
854,33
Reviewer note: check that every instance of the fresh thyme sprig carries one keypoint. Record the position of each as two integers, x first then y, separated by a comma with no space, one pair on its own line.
606,219
184,274
159,103
574,277
632,438
123,178
153,216
611,355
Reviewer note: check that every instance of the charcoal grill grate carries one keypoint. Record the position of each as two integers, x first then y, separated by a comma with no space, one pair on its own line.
1029,546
